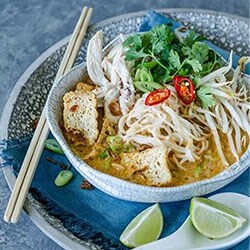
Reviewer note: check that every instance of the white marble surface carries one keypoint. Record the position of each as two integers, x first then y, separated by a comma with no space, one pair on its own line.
28,28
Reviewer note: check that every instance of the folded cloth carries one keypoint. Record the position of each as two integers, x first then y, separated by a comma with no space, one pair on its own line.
91,214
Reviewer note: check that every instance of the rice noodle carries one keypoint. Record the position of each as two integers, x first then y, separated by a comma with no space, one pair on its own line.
224,120
220,93
216,137
162,125
233,112
243,118
231,144
237,136
185,131
217,84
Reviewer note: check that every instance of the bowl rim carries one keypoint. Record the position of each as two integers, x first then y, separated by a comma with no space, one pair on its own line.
226,174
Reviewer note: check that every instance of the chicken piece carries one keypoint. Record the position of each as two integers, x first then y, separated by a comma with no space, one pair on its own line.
84,87
94,60
94,68
122,89
110,73
115,91
150,163
117,49
111,113
127,90
80,115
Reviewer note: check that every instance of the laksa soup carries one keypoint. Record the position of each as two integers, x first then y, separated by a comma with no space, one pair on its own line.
158,109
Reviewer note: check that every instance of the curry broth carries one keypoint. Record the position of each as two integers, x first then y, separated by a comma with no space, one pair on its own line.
208,166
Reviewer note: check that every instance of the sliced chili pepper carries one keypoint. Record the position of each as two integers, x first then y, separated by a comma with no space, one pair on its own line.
185,89
157,96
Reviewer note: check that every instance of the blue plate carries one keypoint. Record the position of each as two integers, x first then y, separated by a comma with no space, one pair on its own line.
72,216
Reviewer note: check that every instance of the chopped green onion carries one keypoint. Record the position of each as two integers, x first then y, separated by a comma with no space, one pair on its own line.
105,154
147,86
111,139
198,170
154,85
107,163
115,143
116,148
63,178
143,75
140,86
128,148
144,81
54,146
149,65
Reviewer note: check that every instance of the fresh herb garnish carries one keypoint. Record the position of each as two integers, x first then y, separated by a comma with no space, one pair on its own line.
206,96
158,56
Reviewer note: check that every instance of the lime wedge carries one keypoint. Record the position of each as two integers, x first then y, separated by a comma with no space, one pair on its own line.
214,220
144,228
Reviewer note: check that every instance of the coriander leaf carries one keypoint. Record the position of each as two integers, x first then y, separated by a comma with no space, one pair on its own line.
157,47
197,81
160,75
165,53
194,64
133,41
146,43
174,59
191,38
183,71
165,77
134,54
200,51
206,97
207,67
163,32
186,51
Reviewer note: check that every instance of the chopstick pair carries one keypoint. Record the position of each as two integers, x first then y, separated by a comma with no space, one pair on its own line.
32,157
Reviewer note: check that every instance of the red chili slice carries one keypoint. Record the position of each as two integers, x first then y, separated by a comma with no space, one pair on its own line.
185,89
157,96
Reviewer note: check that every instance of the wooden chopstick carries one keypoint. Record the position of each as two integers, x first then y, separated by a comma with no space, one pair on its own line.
32,157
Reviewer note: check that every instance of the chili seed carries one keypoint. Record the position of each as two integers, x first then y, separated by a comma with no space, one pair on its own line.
51,160
63,166
86,185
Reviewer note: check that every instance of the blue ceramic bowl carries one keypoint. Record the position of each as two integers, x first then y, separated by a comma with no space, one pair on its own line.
117,187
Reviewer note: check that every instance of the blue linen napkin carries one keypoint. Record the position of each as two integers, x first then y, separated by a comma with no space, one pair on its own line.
92,214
